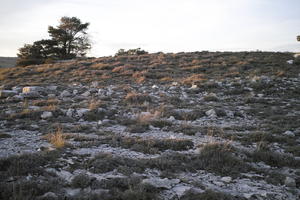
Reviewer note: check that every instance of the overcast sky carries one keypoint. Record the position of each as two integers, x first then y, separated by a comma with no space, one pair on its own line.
158,25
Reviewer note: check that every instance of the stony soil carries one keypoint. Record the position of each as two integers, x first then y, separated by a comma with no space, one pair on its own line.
196,125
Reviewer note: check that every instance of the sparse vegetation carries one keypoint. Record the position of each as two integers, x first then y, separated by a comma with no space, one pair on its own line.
57,139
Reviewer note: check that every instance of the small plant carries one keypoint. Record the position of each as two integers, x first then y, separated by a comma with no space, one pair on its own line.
135,98
57,139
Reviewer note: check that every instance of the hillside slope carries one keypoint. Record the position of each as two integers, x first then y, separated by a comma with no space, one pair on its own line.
201,125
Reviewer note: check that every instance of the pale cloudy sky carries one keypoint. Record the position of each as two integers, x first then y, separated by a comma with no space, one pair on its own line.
158,25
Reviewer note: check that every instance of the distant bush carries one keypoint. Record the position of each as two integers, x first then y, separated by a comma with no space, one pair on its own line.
138,51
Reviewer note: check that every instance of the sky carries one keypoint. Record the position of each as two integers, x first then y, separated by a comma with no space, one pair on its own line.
158,25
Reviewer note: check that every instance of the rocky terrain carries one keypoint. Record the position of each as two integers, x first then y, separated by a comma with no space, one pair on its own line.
202,125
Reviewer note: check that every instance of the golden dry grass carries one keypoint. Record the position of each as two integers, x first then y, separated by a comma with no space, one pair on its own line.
57,139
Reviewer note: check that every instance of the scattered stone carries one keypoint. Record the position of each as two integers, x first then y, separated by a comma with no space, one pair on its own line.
226,179
155,87
46,115
31,95
161,183
49,195
290,182
52,87
181,189
194,87
86,94
289,133
211,113
290,62
65,93
7,93
70,112
171,118
82,111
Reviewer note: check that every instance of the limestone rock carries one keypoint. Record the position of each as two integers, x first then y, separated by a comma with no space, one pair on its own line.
82,111
211,113
46,115
65,93
49,195
161,183
289,133
290,182
31,95
7,93
181,190
226,179
86,94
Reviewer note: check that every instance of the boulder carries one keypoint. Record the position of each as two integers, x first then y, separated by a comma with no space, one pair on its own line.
82,111
211,113
7,93
289,133
46,115
226,179
31,95
70,112
290,182
65,93
180,190
86,94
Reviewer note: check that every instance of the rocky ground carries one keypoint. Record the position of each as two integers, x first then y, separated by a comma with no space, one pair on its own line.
160,126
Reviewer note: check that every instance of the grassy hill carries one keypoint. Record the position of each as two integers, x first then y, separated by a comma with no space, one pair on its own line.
187,68
199,125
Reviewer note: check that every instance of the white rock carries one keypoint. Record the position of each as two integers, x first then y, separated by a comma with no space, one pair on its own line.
86,94
171,118
51,95
175,83
154,87
34,107
289,133
46,115
75,92
161,183
290,182
7,93
260,95
180,190
95,84
82,111
72,192
32,94
65,93
17,89
194,87
211,113
49,195
52,87
290,62
70,112
226,179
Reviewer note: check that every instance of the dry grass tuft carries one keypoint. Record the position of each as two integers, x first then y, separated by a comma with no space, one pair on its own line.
135,98
57,139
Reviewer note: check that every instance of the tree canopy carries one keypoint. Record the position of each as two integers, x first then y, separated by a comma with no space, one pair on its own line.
298,38
68,40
